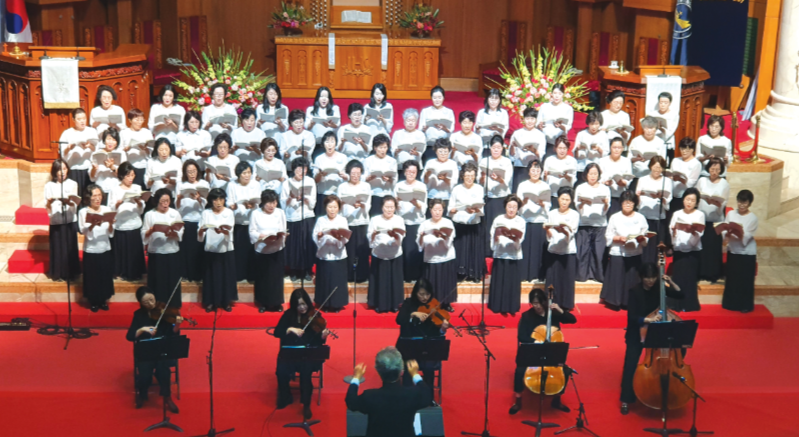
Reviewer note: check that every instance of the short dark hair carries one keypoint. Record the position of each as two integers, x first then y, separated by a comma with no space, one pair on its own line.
512,198
562,140
300,162
159,142
649,270
411,163
141,291
295,115
269,142
390,198
87,192
56,167
353,164
224,137
381,139
164,192
466,168
566,190
617,140
534,163
745,196
100,90
215,86
716,119
433,202
190,115
168,87
442,143
216,193
110,132
592,166
135,112
331,198
241,167
438,89
354,107
558,86
613,95
186,165
466,115
659,160
330,134
713,161
629,196
493,92
530,112
691,191
268,196
665,94
496,139
126,167
593,117
687,143
539,295
76,112
247,113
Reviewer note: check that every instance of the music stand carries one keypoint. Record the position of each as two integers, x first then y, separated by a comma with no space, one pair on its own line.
303,353
541,355
671,335
423,349
172,347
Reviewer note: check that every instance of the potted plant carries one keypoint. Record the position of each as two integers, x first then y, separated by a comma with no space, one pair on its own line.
290,17
421,20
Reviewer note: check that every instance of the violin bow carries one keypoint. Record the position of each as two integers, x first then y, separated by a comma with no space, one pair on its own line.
319,310
435,308
168,301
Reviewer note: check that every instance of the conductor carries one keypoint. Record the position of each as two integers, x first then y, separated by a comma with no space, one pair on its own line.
391,408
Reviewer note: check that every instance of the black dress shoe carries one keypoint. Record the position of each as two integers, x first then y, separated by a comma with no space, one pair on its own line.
104,307
279,308
516,407
625,408
209,308
558,405
284,402
94,308
139,401
228,308
306,413
170,405
262,309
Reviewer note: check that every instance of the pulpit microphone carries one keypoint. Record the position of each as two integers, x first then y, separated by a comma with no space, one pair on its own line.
45,56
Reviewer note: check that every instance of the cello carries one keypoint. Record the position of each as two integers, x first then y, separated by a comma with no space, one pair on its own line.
652,377
556,379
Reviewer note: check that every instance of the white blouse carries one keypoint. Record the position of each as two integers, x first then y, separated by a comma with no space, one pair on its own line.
707,141
649,206
691,169
466,140
262,223
79,158
98,111
437,189
522,137
747,245
625,226
242,136
402,137
561,244
532,212
330,181
191,209
276,164
129,212
353,150
137,157
192,143
383,245
373,164
107,178
230,161
329,248
566,165
52,190
463,197
377,127
98,239
217,242
496,189
272,130
160,130
595,214
211,112
295,211
157,242
487,118
291,142
585,157
504,247
436,250
237,194
611,168
639,143
549,113
432,133
318,130
721,188
355,216
407,210
684,241
157,167
610,119
672,118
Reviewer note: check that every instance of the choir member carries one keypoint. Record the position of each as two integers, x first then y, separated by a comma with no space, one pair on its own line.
323,116
439,172
163,162
192,142
297,199
739,286
555,117
535,211
104,107
380,173
268,229
617,173
562,224
507,236
672,118
492,119
614,119
164,262
687,240
138,144
409,143
328,170
356,147
379,124
190,203
221,158
685,171
593,201
530,320
466,137
104,174
412,210
273,101
466,210
297,141
644,147
127,242
591,144
626,236
63,230
713,194
714,138
526,145
437,122
496,174
331,257
290,331
98,261
386,233
219,108
356,200
435,240
219,277
243,197
77,143
561,170
247,139
168,109
273,170
654,195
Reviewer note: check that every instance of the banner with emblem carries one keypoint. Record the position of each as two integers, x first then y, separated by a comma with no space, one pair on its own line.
682,31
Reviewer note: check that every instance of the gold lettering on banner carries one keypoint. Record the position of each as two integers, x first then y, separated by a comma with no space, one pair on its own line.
301,73
355,68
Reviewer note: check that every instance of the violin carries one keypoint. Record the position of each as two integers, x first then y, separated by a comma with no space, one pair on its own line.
313,319
437,315
556,379
170,314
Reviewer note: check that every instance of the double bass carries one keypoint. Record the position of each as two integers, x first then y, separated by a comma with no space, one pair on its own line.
652,377
556,379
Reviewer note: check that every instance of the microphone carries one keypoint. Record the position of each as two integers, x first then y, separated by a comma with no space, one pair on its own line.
58,142
677,375
461,314
574,371
355,262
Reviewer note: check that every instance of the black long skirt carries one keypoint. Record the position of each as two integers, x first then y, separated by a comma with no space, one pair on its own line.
711,257
358,249
164,271
494,207
533,250
412,258
621,275
615,206
739,288
192,252
138,179
245,254
444,278
219,281
386,288
520,174
98,277
377,206
82,178
685,273
650,252
319,208
470,250
269,270
64,258
561,271
329,275
591,253
300,248
128,251
504,295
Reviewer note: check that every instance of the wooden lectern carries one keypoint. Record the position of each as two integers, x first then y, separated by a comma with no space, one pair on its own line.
27,129
633,85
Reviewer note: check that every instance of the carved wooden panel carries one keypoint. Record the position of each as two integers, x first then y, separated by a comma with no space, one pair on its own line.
357,67
185,35
567,40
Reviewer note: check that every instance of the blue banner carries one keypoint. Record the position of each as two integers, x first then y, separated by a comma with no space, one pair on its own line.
682,31
718,39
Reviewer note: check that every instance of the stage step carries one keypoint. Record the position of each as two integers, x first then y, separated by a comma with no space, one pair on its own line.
28,215
31,261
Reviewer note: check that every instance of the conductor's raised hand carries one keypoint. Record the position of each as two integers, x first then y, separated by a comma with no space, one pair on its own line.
413,367
359,371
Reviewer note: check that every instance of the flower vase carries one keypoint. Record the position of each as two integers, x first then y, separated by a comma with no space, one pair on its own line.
291,31
420,34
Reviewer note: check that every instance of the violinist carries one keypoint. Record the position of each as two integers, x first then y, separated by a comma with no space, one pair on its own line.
143,327
643,299
414,322
290,332
531,319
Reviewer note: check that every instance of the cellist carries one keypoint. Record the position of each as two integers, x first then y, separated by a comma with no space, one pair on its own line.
531,319
644,298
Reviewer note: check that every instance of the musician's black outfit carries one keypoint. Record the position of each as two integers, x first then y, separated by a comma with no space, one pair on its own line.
285,369
411,327
161,369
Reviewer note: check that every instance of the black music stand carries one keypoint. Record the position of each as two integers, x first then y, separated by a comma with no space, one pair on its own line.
172,347
671,335
423,349
303,353
541,355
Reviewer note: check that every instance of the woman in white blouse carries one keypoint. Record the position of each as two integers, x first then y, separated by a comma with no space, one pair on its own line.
328,171
104,174
560,170
247,139
713,194
164,169
323,116
535,207
507,236
379,124
219,108
78,143
125,199
356,201
439,173
614,119
654,196
411,197
617,173
273,106
561,227
381,173
190,202
435,240
712,139
166,117
466,138
221,158
63,230
685,171
138,144
555,117
408,143
105,109
268,238
590,145
216,229
297,141
98,266
297,199
466,209
437,121
526,145
243,197
644,147
626,236
496,174
493,118
270,172
593,202
331,257
739,286
193,142
360,145
164,263
386,233
686,227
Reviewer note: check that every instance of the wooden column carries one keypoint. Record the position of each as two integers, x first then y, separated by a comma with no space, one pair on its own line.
124,20
768,56
57,14
585,18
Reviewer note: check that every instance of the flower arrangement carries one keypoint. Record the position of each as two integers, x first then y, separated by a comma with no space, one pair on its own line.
533,76
421,20
244,88
290,17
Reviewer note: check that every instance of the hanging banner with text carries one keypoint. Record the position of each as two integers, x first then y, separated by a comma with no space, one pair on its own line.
718,39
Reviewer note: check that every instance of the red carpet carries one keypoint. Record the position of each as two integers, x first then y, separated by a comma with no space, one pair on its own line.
87,389
27,215
31,261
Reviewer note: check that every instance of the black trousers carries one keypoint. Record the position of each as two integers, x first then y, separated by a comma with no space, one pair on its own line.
518,379
285,371
162,373
591,253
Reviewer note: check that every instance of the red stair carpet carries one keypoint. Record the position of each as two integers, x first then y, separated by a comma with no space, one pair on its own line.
31,261
27,215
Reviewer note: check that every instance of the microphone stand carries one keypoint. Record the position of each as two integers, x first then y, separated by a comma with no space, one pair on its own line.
348,379
489,356
303,237
212,432
582,418
692,432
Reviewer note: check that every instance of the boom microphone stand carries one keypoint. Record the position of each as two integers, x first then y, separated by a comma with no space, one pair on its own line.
582,418
348,379
212,432
489,356
692,432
